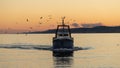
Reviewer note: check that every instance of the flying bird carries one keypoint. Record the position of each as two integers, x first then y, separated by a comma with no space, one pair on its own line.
27,20
40,23
31,28
41,17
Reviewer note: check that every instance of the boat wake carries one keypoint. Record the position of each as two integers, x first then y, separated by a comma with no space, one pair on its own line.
36,47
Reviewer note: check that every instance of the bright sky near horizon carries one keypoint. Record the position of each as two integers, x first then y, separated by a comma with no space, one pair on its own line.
44,14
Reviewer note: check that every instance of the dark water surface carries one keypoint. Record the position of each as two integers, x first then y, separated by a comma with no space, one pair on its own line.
34,51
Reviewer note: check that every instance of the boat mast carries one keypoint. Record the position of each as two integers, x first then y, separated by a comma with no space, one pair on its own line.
63,18
63,24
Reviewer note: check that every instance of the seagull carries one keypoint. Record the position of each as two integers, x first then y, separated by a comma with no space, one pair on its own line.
41,17
27,20
40,23
31,28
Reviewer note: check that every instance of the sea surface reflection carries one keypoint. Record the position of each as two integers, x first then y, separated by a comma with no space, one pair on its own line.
35,51
63,62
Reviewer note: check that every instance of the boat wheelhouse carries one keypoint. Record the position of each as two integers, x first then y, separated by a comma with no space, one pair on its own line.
63,42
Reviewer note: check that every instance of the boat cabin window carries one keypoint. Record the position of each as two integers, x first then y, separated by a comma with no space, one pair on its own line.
63,35
60,34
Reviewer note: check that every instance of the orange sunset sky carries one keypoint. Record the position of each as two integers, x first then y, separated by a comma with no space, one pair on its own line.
46,14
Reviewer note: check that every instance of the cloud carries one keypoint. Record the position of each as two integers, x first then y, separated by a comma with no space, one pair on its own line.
75,25
91,25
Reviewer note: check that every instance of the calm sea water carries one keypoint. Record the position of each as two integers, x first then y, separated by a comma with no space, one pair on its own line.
17,51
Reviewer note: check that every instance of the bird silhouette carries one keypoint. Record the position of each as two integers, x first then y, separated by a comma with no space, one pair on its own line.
27,20
41,17
31,28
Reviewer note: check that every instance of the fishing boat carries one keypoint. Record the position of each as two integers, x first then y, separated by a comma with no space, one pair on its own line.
63,42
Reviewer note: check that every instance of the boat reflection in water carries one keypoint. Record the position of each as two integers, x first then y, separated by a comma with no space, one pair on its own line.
63,42
63,62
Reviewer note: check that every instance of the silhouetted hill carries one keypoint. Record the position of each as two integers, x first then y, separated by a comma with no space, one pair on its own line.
98,29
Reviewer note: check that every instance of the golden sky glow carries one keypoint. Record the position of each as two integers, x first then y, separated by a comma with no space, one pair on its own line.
13,13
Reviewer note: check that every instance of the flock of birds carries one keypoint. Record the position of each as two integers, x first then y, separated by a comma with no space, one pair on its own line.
45,19
49,18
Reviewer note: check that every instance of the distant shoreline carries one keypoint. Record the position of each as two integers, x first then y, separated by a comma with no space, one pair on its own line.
98,29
